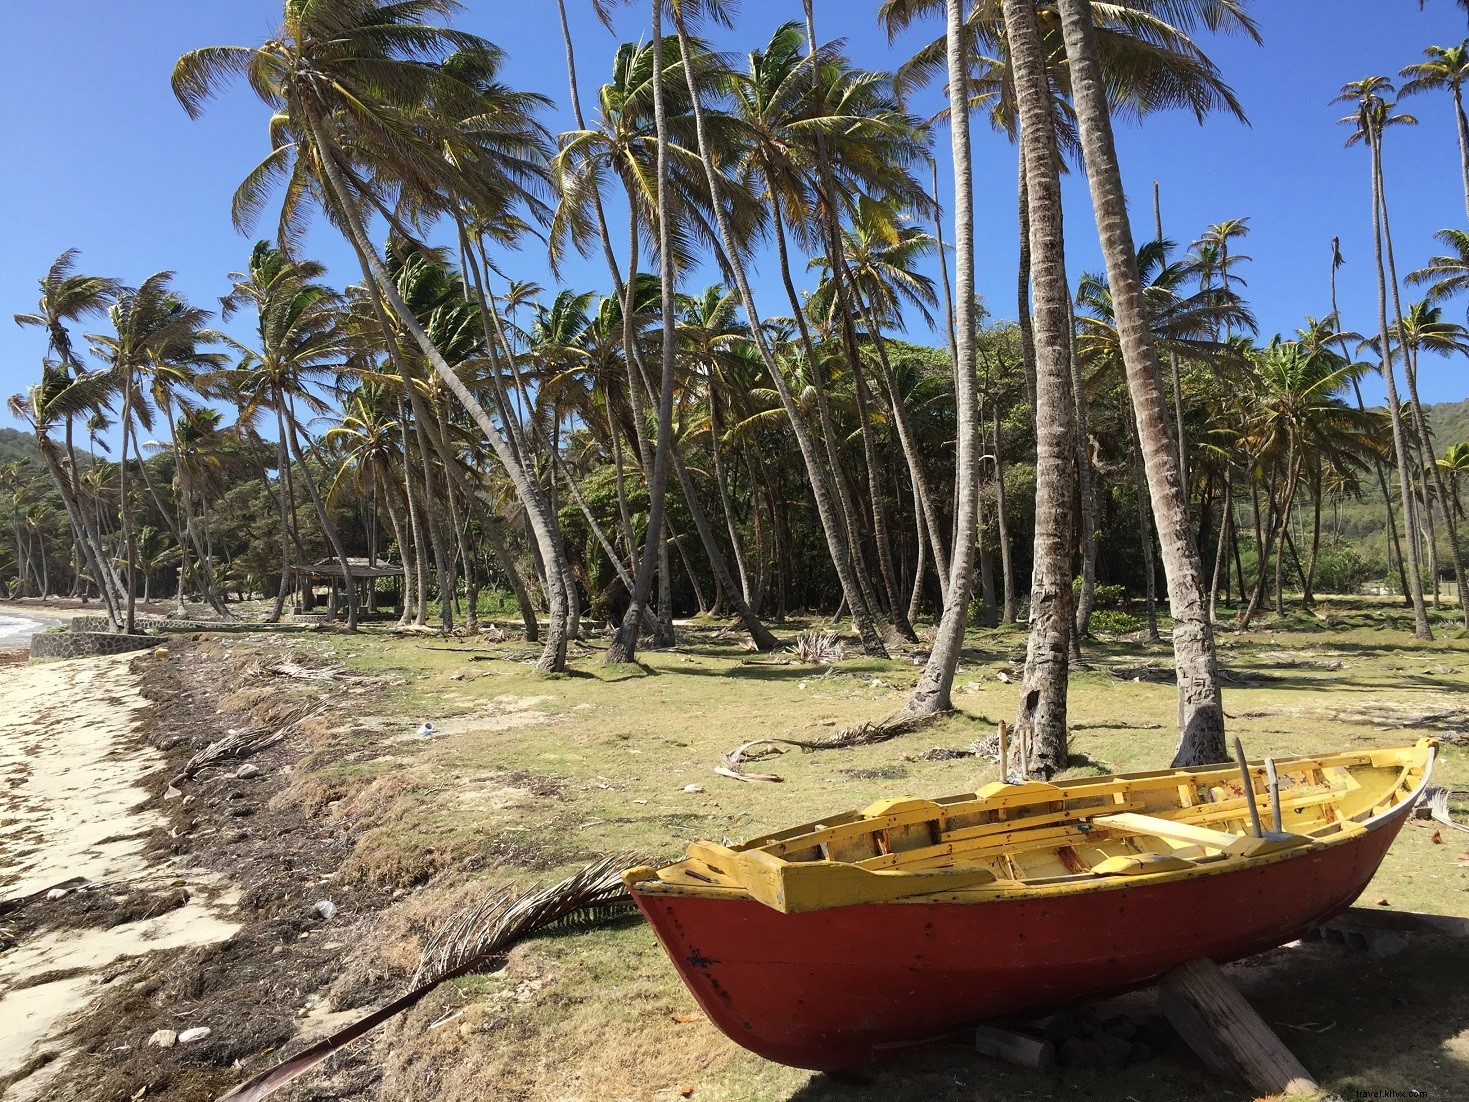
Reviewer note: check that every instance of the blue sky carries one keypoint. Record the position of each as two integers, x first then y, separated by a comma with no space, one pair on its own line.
99,156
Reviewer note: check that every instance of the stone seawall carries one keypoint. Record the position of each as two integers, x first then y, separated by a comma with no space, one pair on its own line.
101,623
86,644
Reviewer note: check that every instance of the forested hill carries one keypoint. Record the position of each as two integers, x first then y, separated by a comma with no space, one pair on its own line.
16,445
1450,423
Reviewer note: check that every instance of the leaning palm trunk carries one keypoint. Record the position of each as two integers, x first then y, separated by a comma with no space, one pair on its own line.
906,439
553,656
932,693
872,644
868,606
1041,718
1200,707
87,536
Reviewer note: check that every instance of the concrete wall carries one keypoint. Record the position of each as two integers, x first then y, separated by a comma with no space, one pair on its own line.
85,644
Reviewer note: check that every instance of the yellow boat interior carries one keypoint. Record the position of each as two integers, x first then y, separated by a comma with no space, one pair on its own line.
1038,839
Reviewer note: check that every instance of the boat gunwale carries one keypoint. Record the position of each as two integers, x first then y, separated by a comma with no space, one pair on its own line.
646,881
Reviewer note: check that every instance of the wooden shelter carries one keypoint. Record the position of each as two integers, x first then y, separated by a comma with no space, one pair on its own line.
366,576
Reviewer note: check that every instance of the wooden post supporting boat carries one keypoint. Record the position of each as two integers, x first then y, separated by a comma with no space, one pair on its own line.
1226,1033
1004,733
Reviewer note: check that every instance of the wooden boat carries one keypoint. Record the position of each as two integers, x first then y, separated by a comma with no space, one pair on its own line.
869,932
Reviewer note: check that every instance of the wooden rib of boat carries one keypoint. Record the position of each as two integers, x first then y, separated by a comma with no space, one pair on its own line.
869,932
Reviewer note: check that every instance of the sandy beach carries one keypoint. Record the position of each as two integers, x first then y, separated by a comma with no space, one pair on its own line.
75,813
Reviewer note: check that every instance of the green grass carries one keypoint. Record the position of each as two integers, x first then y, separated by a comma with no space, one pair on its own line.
532,775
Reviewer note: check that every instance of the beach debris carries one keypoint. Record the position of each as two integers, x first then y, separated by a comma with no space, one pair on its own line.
239,744
819,648
735,775
163,1038
861,735
248,771
57,893
325,908
160,652
693,788
426,729
493,632
198,1033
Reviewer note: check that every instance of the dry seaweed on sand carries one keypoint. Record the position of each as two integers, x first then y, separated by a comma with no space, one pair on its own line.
473,940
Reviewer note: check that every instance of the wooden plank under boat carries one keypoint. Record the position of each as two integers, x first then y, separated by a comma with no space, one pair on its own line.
869,932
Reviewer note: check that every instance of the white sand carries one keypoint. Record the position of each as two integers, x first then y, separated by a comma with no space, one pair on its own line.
70,805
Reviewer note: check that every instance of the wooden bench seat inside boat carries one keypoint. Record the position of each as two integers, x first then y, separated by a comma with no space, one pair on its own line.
1236,845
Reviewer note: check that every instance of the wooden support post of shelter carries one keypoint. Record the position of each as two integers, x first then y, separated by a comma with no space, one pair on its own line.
1226,1033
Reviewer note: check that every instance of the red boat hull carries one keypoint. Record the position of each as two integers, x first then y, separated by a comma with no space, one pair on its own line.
834,988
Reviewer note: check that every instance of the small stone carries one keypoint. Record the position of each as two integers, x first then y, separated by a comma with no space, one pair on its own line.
248,771
693,788
164,1038
241,811
198,1033
57,893
325,908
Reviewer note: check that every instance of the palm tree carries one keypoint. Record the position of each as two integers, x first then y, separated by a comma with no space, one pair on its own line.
153,349
1373,115
831,523
1422,328
69,296
1445,67
1447,275
56,400
881,255
299,344
1301,424
362,99
781,115
932,693
1455,460
1041,719
1200,708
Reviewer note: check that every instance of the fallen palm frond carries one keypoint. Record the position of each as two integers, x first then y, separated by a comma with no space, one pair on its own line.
286,667
241,744
507,916
1438,808
820,648
477,939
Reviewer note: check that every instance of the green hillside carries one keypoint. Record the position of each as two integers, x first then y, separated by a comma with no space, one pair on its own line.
15,444
1449,422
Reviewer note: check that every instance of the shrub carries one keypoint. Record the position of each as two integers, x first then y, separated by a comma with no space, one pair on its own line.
1340,569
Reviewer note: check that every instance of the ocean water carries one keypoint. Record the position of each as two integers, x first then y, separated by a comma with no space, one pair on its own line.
16,631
